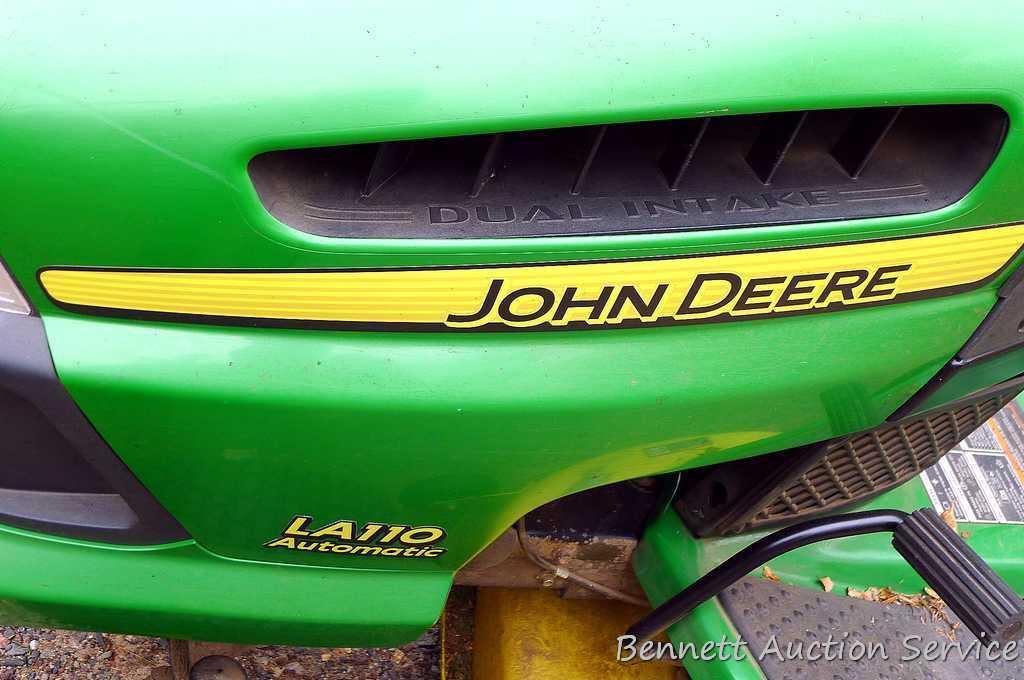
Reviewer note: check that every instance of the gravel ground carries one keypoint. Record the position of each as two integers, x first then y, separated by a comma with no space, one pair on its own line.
38,654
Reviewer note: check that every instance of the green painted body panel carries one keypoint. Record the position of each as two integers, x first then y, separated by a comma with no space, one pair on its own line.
666,561
670,558
470,432
183,591
128,146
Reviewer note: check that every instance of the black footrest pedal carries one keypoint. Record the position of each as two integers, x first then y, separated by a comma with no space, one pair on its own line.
975,593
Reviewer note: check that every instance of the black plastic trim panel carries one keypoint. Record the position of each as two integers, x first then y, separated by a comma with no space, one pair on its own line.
1000,332
1003,328
82,489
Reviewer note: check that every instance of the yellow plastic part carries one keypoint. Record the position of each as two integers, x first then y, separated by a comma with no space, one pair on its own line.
468,297
537,635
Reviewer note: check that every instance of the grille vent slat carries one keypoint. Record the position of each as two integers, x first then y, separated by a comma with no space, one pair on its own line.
633,177
387,161
684,139
773,142
860,140
488,164
596,137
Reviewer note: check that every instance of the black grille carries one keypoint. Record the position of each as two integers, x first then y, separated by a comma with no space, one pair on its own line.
743,495
874,461
638,177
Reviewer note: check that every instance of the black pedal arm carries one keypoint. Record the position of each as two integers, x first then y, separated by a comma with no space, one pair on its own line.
984,602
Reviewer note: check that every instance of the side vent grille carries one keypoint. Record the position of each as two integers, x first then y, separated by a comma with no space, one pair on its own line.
869,463
638,177
743,495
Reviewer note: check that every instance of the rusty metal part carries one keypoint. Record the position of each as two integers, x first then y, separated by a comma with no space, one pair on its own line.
217,667
559,571
180,662
185,655
604,559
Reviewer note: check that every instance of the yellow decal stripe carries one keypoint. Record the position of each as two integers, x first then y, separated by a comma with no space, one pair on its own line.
662,290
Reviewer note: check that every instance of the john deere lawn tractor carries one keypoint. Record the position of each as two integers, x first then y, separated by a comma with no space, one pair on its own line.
310,310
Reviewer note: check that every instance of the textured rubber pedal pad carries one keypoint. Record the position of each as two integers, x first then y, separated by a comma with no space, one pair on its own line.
988,607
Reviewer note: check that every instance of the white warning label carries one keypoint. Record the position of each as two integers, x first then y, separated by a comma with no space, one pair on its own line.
983,476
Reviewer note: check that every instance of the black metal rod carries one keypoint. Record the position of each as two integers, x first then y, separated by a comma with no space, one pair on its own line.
757,554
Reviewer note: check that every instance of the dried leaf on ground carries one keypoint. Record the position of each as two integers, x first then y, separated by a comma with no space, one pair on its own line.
871,594
929,601
949,517
769,574
827,584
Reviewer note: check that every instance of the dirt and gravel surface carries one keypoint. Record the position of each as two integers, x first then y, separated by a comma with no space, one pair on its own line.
43,654
38,654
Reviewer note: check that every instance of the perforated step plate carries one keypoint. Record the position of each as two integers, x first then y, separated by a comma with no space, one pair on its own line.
770,616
